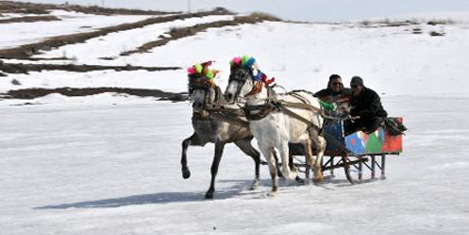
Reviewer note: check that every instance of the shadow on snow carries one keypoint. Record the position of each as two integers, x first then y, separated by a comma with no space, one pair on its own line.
158,198
239,189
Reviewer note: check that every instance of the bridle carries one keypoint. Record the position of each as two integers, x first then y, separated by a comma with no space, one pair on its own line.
204,85
215,109
241,74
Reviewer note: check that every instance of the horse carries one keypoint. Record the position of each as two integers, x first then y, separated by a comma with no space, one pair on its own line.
274,124
207,97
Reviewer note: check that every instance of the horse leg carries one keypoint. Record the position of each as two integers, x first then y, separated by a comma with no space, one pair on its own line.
246,147
219,146
269,157
192,140
309,158
291,164
279,173
291,152
284,154
322,144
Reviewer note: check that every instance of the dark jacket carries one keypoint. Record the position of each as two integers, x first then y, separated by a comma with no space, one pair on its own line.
367,105
329,95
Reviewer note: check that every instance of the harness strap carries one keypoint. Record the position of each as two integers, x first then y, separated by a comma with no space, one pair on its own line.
264,110
315,109
299,97
303,106
227,118
290,113
326,135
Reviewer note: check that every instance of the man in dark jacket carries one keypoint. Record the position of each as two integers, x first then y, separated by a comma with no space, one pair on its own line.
335,90
366,108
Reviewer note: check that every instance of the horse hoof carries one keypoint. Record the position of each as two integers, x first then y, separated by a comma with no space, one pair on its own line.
280,175
319,180
209,195
254,185
273,194
300,181
186,173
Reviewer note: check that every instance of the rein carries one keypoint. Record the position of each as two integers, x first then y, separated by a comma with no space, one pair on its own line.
227,116
222,113
317,128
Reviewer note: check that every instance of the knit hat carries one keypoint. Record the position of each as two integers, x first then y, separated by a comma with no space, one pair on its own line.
356,80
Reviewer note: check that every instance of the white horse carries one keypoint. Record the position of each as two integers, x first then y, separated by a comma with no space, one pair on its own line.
276,128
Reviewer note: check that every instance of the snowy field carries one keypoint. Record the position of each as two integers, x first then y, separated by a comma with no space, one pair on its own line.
86,168
109,164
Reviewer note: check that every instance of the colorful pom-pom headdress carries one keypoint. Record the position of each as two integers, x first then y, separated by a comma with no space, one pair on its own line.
201,76
250,63
203,69
245,61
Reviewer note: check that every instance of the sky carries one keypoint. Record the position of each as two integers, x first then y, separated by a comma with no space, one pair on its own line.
299,10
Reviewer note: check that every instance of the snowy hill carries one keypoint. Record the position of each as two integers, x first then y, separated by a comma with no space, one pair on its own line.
386,53
108,163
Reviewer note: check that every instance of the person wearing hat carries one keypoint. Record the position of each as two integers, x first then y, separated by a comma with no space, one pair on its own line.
367,110
335,90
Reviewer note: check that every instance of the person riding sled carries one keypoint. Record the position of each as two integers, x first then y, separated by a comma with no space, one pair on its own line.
335,90
333,96
367,111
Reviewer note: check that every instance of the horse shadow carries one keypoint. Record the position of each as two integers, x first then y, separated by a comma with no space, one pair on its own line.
154,198
235,190
239,188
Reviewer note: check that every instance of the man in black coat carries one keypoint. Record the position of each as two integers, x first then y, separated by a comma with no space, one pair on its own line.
366,107
335,90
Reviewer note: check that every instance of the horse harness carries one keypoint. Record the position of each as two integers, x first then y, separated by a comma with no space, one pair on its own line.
274,105
214,110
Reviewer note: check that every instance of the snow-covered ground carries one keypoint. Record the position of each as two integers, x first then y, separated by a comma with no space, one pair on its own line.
119,42
424,17
101,168
109,164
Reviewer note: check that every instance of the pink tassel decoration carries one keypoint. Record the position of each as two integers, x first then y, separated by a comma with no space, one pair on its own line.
191,70
237,60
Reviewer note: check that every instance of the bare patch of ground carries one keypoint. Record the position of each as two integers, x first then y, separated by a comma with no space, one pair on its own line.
25,68
36,8
29,19
40,92
24,8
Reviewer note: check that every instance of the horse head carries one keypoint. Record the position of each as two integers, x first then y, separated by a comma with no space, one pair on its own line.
245,78
202,89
